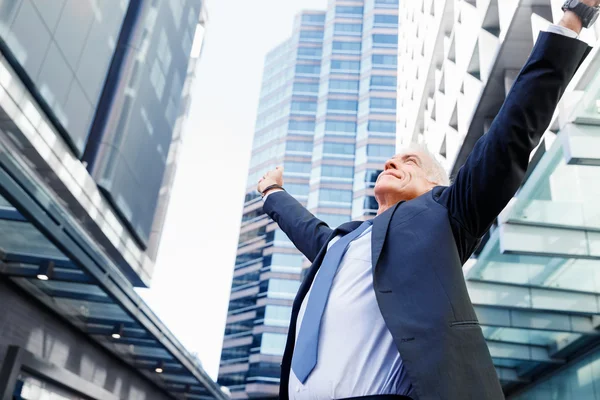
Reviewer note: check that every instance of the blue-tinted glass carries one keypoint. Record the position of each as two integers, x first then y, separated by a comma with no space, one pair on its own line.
297,167
354,10
315,18
343,85
337,65
380,150
347,28
302,126
346,46
390,2
310,51
382,126
283,288
337,171
380,102
297,189
340,126
333,220
338,148
334,195
286,260
386,19
277,315
346,105
379,80
308,69
273,343
309,35
306,87
385,39
304,106
382,59
306,147
371,176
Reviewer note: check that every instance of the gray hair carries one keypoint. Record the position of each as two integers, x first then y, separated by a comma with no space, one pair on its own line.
434,170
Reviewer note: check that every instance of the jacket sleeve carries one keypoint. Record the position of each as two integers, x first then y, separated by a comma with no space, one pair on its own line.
496,167
308,233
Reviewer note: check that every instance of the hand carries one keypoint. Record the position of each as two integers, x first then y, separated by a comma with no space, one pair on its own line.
274,177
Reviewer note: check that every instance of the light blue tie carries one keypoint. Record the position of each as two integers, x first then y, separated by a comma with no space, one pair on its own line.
304,358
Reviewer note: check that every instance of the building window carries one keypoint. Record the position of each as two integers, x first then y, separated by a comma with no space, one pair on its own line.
349,10
304,147
308,69
337,171
380,40
283,288
273,343
340,126
386,19
382,126
335,196
333,220
297,167
386,2
304,106
157,79
297,189
343,85
381,81
311,35
313,18
380,150
342,105
345,47
338,148
385,61
306,87
383,103
301,126
344,66
277,315
352,29
309,51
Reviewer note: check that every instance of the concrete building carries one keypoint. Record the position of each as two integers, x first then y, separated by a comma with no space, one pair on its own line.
535,282
327,114
92,98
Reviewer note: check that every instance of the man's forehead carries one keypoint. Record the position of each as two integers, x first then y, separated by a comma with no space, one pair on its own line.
410,152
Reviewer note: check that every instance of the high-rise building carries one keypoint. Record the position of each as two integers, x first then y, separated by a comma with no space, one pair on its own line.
327,113
92,98
535,283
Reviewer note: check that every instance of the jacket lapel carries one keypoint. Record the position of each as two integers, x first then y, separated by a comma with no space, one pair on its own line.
379,233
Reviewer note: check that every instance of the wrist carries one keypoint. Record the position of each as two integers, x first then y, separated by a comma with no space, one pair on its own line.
270,189
571,21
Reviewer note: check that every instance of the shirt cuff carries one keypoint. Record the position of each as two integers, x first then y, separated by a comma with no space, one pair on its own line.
271,191
561,30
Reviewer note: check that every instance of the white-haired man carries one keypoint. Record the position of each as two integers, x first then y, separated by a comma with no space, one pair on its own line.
384,311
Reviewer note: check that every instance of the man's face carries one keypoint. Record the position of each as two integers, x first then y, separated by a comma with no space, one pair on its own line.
404,178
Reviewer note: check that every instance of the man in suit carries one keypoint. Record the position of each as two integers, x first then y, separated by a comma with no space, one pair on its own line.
384,310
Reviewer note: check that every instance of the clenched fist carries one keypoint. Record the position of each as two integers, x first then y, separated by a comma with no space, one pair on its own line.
274,177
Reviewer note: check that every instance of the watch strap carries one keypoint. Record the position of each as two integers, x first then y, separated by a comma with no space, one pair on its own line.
271,187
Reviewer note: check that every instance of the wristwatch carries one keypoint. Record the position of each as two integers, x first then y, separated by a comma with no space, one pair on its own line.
588,15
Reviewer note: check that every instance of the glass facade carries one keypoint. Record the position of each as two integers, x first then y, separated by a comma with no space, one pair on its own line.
65,48
322,103
129,145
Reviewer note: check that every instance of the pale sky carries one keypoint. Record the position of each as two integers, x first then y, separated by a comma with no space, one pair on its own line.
191,284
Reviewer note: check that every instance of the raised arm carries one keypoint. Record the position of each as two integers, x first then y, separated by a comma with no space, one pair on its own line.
496,167
308,233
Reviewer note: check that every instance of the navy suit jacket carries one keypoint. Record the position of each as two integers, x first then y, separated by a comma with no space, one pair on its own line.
419,246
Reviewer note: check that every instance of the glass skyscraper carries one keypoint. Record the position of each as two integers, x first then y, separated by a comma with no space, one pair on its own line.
92,98
327,113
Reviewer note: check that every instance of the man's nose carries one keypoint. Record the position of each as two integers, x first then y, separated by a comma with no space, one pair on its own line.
391,164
